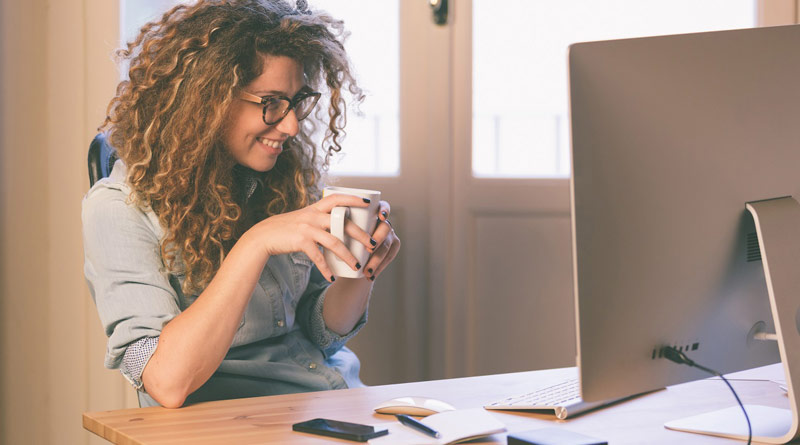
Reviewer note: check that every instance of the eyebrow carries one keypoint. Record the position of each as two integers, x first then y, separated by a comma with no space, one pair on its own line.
270,93
263,93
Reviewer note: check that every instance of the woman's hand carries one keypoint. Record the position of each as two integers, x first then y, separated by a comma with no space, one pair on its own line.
388,244
306,229
347,299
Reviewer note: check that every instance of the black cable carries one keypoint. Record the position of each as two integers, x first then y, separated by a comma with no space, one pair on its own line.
679,357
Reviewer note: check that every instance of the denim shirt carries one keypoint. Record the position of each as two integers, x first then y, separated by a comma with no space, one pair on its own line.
282,344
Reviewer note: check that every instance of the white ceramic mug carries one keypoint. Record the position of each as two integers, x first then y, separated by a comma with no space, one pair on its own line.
364,217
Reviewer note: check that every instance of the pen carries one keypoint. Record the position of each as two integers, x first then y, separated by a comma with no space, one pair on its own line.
417,425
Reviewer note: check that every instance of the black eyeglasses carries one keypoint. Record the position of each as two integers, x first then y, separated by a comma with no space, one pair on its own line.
277,107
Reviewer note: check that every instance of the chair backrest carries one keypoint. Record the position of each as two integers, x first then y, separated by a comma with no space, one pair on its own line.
102,157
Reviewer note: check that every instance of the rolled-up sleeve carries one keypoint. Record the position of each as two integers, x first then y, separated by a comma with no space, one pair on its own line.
124,271
309,316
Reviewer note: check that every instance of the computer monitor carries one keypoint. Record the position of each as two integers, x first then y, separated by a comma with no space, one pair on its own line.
671,137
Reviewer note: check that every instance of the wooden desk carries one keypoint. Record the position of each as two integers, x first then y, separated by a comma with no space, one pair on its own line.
268,420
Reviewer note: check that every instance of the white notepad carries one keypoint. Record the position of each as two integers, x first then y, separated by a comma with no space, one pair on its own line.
454,426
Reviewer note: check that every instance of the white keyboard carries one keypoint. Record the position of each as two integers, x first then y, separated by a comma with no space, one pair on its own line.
564,398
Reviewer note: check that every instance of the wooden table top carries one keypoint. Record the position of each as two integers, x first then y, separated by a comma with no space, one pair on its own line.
268,420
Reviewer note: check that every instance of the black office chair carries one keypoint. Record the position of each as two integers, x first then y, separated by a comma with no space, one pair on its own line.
102,157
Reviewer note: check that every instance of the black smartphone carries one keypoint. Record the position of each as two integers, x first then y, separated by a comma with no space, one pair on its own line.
343,430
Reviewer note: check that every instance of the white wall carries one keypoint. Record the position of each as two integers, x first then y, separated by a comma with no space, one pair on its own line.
56,78
24,224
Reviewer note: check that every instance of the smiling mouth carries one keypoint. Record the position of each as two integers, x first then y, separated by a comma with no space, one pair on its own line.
270,143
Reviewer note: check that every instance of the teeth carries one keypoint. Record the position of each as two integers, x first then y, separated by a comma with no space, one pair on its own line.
270,143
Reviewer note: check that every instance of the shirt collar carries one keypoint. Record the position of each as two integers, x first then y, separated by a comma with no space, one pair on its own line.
247,180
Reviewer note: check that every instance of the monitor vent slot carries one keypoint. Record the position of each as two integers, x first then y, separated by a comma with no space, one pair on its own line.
753,249
658,351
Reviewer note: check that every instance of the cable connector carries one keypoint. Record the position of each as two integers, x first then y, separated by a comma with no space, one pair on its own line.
674,355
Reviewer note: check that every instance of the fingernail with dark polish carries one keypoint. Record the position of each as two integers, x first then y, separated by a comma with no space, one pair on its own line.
385,215
369,270
373,242
333,278
358,266
372,278
367,200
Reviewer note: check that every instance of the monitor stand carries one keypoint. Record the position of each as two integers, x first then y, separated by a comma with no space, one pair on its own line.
778,226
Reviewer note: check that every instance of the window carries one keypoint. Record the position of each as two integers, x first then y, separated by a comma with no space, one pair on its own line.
372,145
135,13
520,123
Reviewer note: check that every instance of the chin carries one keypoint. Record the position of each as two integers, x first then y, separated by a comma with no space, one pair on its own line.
262,169
262,166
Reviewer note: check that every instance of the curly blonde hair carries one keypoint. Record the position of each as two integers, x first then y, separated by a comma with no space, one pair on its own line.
167,122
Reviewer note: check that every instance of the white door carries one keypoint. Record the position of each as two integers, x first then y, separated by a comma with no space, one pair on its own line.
502,298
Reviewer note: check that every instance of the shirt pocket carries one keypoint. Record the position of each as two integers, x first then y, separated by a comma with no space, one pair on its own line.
301,266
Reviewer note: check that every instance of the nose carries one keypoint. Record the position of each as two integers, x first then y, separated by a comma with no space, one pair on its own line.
289,125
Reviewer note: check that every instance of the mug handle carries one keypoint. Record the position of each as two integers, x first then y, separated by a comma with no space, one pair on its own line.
338,215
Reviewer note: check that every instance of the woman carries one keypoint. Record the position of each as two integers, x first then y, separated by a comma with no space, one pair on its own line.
202,247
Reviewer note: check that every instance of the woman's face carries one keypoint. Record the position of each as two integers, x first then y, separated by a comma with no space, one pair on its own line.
251,142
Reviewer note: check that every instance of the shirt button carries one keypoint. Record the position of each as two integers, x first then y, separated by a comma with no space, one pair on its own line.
280,323
312,366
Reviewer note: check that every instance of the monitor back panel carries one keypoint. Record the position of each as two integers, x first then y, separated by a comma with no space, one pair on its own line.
670,137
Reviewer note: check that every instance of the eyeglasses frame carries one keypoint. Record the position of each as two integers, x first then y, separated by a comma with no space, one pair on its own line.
293,101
